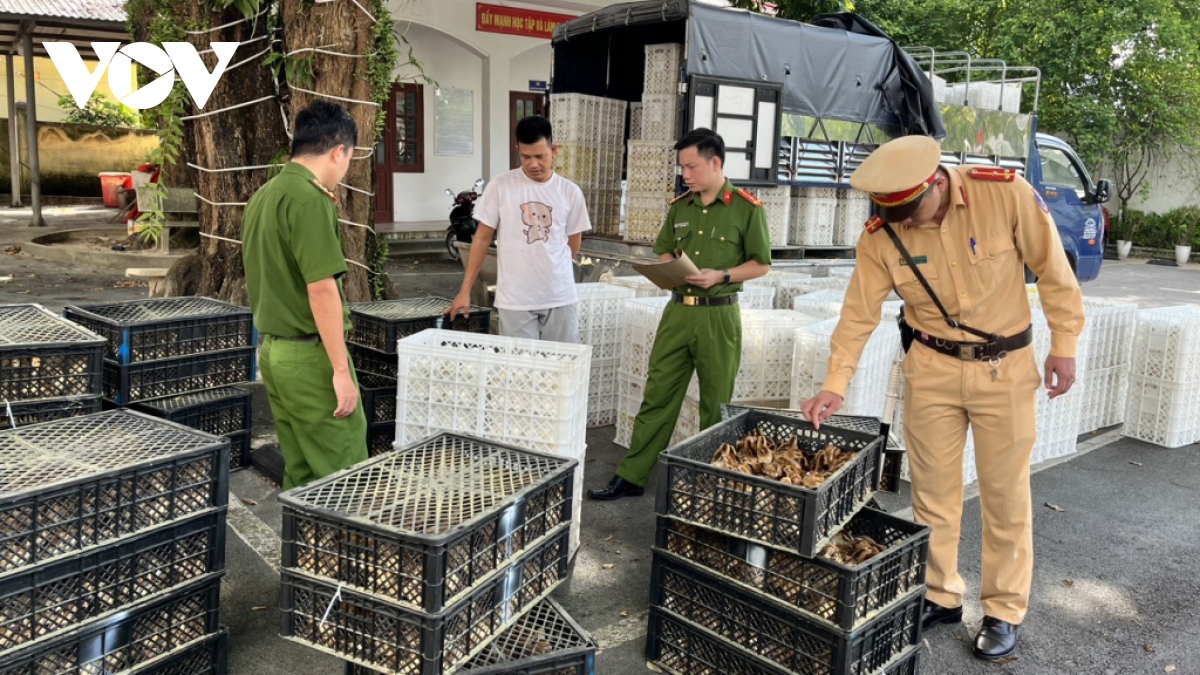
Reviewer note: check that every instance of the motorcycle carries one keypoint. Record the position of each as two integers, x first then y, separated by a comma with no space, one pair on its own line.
462,222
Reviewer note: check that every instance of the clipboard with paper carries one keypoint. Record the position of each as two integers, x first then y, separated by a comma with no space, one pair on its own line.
670,274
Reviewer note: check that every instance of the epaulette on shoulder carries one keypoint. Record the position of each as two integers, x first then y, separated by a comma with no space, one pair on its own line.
745,194
873,224
993,173
682,196
325,190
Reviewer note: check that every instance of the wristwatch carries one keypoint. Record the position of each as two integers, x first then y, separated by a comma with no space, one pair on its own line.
726,276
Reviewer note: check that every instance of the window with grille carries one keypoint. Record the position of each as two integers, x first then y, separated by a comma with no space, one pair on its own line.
404,139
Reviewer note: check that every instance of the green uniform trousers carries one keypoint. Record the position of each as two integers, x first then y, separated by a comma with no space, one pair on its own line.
707,340
314,443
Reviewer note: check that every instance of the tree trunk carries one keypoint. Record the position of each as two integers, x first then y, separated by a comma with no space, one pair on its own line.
248,136
345,28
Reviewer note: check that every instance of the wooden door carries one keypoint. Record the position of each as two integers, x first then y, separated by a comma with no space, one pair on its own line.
521,104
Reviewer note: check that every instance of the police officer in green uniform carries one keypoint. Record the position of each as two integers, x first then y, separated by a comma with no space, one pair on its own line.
292,252
724,231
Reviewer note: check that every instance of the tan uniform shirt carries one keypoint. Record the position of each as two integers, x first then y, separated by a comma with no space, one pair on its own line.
982,286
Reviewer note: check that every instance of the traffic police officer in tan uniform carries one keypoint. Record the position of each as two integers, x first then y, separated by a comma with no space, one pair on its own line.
970,231
292,252
723,230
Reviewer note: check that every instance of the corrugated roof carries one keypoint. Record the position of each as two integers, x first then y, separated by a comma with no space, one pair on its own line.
92,10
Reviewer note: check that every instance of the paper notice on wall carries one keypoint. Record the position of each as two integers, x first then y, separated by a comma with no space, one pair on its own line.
454,123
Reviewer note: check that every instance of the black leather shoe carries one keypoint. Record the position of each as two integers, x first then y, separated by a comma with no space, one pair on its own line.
934,615
617,487
996,640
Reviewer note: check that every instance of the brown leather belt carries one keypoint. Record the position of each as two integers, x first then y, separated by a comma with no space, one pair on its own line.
978,351
703,301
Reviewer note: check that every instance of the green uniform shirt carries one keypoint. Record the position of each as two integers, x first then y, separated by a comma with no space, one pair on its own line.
719,236
290,239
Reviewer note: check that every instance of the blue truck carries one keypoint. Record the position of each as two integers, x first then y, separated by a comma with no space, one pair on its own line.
802,104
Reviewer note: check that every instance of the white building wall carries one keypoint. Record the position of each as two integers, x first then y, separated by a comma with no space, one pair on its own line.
491,65
1172,184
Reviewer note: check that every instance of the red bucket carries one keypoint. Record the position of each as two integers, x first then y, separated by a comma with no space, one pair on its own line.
110,183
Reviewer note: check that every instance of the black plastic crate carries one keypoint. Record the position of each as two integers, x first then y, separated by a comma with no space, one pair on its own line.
49,599
762,510
422,526
893,456
178,376
373,632
44,356
145,632
680,648
842,596
380,438
163,328
227,411
780,634
69,485
546,641
24,413
209,656
379,325
367,360
378,397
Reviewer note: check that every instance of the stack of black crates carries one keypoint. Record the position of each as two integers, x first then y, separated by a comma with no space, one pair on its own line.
49,368
378,326
112,547
434,558
176,358
739,585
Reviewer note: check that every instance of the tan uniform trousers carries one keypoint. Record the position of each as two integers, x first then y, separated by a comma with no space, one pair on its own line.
942,396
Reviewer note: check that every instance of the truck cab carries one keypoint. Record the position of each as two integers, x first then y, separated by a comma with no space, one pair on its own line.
1074,201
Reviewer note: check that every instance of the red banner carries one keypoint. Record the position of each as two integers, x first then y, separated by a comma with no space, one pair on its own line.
513,21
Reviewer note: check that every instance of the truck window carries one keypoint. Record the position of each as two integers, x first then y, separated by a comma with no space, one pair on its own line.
1058,170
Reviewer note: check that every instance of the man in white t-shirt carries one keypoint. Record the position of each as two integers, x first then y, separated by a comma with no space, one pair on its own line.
540,217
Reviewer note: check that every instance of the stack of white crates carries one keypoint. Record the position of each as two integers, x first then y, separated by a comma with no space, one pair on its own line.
1163,406
777,202
1109,326
650,181
827,304
528,393
589,132
1058,420
814,211
599,314
635,121
853,210
867,391
756,297
650,186
639,327
764,374
787,284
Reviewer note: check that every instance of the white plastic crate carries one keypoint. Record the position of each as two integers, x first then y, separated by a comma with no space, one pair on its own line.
845,271
660,117
1163,413
651,166
755,296
787,286
579,118
853,210
639,321
661,72
777,202
868,388
528,393
629,401
635,121
1167,344
602,393
578,162
814,211
1112,325
768,347
645,213
1104,404
642,287
599,317
826,303
985,95
604,210
939,88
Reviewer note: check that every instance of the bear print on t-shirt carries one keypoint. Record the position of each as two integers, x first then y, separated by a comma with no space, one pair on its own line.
536,217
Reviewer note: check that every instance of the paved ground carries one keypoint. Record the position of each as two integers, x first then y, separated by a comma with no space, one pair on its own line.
1116,583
